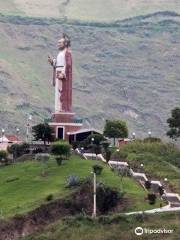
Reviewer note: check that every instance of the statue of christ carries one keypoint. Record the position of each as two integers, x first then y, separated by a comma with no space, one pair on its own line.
62,76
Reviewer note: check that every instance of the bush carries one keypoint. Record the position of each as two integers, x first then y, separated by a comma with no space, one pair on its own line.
61,148
119,156
161,190
18,149
59,161
49,197
97,169
3,155
72,181
107,198
152,198
147,185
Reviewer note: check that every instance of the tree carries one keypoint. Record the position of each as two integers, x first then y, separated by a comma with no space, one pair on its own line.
115,129
43,132
174,124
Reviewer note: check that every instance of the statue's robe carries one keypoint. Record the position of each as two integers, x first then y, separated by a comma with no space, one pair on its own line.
63,86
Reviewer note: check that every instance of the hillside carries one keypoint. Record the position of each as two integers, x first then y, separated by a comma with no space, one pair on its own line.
125,69
89,10
113,227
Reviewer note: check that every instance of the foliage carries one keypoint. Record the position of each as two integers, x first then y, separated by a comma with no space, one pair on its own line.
3,155
107,197
152,139
147,185
44,157
43,132
174,124
152,198
18,149
97,169
119,155
115,129
61,148
72,181
161,190
49,197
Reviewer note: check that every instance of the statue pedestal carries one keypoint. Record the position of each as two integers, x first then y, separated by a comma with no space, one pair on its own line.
63,123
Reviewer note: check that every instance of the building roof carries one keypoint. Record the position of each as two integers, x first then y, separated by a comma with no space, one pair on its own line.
12,138
84,130
9,138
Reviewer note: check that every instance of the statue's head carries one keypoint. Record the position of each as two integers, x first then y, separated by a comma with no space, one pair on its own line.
64,42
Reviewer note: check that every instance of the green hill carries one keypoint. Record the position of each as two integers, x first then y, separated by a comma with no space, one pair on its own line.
24,187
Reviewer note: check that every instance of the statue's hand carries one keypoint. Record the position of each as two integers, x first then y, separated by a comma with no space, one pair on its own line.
60,75
50,60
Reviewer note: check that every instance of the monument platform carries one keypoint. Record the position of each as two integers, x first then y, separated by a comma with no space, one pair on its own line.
64,122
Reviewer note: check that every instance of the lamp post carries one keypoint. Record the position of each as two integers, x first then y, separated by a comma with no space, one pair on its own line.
92,141
17,132
142,165
149,134
134,135
28,128
3,131
94,195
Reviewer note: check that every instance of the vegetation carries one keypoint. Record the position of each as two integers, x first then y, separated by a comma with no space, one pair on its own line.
42,132
30,188
174,124
3,156
61,149
115,129
97,169
110,227
160,160
18,150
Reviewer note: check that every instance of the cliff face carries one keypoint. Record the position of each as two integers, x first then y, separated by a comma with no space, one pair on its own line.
125,69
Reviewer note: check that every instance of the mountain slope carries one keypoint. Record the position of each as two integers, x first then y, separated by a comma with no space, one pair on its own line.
126,69
89,10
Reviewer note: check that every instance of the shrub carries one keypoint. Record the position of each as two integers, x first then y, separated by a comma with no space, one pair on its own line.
107,198
97,169
59,161
152,198
61,149
161,190
72,181
49,197
147,185
120,156
18,149
3,155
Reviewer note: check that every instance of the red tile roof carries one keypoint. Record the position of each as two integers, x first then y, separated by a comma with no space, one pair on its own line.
12,138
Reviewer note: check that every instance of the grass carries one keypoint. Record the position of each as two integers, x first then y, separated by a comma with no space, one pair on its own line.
115,227
160,161
29,188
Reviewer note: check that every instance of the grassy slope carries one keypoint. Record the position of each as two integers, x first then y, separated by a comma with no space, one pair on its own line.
83,229
160,162
31,188
131,67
